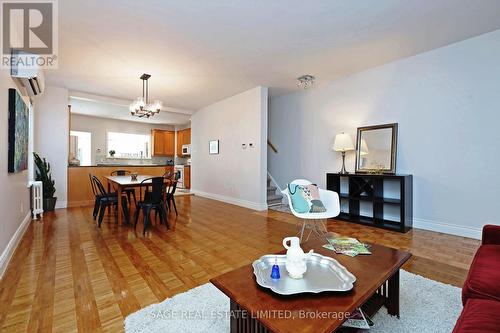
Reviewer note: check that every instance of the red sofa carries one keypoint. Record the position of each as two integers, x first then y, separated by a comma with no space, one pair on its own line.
481,290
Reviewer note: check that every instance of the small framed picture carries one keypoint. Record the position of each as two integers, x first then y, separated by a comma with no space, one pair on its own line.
213,147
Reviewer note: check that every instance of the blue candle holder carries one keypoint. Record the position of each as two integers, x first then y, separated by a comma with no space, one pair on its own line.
275,271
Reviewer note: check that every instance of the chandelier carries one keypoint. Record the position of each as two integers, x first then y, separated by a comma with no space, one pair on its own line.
141,106
305,81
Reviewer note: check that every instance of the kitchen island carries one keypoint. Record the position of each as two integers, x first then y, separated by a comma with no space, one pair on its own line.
79,189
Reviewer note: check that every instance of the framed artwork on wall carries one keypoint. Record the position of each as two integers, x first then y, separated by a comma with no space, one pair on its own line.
18,133
213,147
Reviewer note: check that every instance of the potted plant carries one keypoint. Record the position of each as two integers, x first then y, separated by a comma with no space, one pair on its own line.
112,153
44,175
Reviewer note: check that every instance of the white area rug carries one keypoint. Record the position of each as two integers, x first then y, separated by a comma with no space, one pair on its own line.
426,306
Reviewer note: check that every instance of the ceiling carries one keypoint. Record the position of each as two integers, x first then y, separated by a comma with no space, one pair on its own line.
199,52
115,110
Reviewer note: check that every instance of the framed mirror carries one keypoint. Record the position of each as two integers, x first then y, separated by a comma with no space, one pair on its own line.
376,149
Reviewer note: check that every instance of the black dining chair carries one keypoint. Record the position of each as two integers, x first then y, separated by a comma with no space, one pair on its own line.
170,194
154,200
97,196
108,201
128,191
169,174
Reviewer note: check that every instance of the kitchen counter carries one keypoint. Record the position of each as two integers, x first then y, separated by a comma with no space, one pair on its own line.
119,165
80,191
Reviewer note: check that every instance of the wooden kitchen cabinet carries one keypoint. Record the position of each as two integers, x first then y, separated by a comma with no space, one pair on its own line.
183,138
157,142
187,136
179,143
163,142
169,143
187,176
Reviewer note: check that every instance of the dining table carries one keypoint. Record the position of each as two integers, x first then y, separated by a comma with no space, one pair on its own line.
122,182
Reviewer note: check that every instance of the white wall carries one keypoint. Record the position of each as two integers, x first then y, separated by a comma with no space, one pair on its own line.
447,104
51,136
100,126
14,197
235,175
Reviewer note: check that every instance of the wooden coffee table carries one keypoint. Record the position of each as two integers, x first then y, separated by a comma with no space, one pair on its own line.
257,309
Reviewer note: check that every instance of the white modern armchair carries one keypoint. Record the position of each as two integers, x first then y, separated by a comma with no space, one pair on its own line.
331,202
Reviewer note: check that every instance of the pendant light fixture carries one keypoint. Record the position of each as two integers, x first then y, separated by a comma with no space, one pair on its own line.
141,106
305,81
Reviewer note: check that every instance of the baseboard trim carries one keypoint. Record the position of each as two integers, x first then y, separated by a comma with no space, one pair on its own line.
447,228
61,204
81,203
13,243
231,200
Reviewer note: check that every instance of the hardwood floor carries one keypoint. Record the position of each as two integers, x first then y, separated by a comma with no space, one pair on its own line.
67,275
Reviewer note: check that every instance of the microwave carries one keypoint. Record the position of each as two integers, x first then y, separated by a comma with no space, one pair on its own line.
186,149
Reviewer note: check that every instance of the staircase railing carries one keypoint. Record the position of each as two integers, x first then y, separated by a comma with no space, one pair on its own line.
273,147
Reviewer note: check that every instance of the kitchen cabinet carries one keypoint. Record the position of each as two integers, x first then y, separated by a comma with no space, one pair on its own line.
180,138
163,142
169,137
183,138
187,176
187,136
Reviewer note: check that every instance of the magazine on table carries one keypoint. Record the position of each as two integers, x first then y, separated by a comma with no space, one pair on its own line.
347,245
357,319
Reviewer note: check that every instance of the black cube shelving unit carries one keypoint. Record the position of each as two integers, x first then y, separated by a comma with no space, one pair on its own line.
367,199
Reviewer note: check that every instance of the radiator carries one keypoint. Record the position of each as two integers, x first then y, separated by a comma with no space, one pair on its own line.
36,199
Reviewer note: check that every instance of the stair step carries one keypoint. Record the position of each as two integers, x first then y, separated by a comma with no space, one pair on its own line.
271,189
274,197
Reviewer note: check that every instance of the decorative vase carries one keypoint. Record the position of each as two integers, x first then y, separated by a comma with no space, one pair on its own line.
296,259
49,204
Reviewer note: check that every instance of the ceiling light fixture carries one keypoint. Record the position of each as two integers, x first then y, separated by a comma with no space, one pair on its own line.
305,81
141,106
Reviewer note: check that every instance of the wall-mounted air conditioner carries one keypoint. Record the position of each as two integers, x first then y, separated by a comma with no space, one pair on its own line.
31,77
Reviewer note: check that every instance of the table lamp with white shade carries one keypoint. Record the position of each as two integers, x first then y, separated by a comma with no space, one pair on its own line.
343,143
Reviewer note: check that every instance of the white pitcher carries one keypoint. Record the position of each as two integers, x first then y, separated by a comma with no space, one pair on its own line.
296,259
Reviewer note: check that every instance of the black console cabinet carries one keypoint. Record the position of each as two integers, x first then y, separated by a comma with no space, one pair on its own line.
384,201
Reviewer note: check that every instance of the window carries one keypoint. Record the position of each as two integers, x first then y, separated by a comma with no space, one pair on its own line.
132,146
80,146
